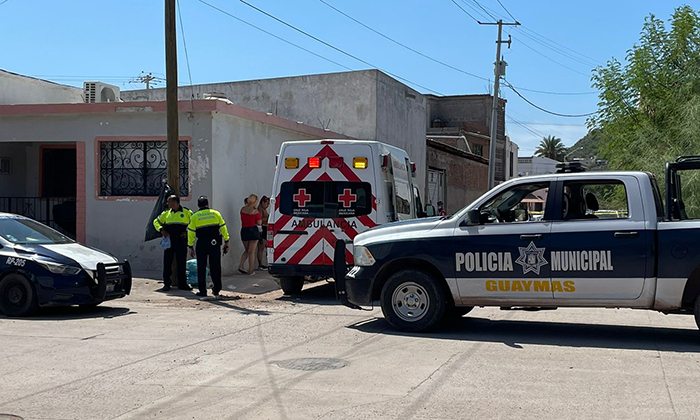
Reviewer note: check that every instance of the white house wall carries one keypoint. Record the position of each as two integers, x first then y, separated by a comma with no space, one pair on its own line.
243,163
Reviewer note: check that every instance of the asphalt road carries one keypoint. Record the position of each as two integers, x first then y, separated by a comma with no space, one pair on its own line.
265,356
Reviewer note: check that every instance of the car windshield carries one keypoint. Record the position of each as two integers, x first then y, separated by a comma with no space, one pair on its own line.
27,231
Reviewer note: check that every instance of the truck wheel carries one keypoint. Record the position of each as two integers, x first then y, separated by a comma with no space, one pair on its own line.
412,301
291,285
17,296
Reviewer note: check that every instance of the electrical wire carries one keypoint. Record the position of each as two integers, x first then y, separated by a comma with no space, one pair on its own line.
482,8
402,44
4,2
543,109
526,127
553,60
319,40
467,13
275,36
509,14
184,43
568,55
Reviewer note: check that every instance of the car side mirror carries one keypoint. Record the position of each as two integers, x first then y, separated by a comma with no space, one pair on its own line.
474,217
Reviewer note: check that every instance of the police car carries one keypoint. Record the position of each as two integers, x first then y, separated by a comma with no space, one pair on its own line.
596,239
42,267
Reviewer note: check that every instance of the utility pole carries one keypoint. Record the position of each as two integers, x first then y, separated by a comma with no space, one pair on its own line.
171,97
499,70
146,78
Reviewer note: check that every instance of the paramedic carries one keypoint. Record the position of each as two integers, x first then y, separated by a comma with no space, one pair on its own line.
209,228
172,224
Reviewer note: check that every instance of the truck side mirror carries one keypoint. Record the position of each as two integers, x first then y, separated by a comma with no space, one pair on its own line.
474,217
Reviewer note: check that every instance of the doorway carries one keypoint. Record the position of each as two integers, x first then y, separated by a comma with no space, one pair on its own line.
58,187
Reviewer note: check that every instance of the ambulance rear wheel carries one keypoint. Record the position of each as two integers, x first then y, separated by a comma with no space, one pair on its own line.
291,285
412,301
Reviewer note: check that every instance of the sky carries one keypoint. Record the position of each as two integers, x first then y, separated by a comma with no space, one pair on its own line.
554,50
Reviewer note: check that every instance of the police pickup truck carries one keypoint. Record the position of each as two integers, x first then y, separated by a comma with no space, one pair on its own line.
577,239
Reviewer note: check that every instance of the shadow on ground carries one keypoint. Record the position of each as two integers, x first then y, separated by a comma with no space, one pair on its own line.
61,313
318,293
516,333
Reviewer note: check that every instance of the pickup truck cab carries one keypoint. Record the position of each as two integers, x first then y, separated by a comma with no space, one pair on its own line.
587,239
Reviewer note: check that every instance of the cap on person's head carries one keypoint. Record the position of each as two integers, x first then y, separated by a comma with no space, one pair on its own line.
439,203
174,198
202,201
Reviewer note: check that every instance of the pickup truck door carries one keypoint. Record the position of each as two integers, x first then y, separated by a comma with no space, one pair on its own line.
503,258
598,249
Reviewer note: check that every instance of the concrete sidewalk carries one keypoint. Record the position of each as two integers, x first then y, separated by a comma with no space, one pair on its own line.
169,356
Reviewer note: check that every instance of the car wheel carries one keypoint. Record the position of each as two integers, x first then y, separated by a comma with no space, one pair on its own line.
458,311
412,300
17,296
291,285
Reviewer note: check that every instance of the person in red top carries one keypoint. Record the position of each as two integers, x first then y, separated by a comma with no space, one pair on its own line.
251,225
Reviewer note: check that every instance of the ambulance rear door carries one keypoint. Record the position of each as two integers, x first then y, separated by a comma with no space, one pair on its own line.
328,196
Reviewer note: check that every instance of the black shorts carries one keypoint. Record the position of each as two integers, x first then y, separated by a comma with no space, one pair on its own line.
250,234
263,236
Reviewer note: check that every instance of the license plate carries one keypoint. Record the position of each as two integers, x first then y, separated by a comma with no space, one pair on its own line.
110,287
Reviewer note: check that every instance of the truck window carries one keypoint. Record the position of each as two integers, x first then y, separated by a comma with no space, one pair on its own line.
320,199
403,196
594,199
520,204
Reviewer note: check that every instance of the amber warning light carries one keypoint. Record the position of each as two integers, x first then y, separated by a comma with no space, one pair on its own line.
314,162
291,163
359,163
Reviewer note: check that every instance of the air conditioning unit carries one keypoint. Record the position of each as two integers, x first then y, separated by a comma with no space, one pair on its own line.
100,92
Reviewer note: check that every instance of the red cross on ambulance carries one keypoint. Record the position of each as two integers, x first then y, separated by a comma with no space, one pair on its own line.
301,198
347,197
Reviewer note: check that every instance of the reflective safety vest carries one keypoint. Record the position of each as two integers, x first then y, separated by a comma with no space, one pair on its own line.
207,225
174,222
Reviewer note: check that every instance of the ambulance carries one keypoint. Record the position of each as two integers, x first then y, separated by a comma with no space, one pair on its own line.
329,190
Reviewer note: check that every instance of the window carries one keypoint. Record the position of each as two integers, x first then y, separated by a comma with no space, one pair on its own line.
586,200
403,197
27,231
479,149
522,203
138,168
320,199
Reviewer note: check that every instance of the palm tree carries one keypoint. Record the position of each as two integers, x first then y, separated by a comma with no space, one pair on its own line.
551,147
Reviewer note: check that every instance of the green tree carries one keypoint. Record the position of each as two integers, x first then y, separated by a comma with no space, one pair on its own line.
551,147
649,106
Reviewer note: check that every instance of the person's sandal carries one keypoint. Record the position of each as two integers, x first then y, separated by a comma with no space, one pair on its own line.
242,271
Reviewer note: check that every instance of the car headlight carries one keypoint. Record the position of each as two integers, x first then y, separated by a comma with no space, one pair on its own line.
362,256
66,270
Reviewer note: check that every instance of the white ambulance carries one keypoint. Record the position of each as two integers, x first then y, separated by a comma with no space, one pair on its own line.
329,190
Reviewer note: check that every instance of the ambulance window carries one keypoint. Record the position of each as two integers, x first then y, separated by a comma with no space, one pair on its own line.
520,204
317,199
403,197
594,200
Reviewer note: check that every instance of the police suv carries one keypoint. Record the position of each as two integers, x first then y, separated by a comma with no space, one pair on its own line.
42,267
580,239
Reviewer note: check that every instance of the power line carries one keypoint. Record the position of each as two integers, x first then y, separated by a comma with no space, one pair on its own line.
4,2
553,60
289,25
546,110
525,127
184,42
559,50
467,13
504,8
275,36
402,44
482,8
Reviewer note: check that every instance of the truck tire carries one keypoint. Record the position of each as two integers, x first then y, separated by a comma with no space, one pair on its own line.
291,285
17,296
412,301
